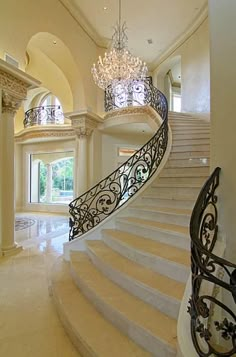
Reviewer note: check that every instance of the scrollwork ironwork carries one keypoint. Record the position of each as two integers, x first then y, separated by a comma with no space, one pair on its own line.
44,115
111,193
218,338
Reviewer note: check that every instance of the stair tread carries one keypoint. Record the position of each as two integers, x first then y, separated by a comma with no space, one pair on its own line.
176,184
183,175
162,250
173,197
136,271
134,309
154,224
98,335
179,211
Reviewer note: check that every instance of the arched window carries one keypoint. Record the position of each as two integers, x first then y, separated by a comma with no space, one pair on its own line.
50,99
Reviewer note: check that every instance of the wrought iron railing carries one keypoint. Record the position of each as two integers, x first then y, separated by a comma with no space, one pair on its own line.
137,93
213,280
44,115
111,193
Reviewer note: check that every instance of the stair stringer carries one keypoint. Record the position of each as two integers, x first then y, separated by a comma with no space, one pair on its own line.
109,222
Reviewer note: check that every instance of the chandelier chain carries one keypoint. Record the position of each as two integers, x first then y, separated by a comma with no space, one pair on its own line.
118,65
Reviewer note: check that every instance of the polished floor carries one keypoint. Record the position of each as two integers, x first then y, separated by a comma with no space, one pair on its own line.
29,325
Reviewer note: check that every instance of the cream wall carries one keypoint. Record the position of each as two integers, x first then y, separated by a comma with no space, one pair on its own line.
195,71
27,17
110,145
51,77
95,158
223,118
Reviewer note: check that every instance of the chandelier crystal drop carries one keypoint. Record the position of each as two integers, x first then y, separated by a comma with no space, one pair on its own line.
118,65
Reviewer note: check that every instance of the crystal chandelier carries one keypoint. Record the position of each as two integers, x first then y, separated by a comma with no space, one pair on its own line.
118,66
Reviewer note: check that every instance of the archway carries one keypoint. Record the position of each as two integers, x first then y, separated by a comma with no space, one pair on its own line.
168,80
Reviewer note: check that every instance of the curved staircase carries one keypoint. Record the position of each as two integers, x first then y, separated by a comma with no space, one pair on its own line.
121,296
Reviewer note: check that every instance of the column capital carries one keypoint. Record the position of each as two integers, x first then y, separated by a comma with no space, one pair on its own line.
83,132
10,103
14,84
84,122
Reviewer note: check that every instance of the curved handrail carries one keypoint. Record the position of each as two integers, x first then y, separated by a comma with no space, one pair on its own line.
111,193
213,271
44,115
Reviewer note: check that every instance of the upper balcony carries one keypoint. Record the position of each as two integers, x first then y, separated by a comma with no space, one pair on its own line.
44,115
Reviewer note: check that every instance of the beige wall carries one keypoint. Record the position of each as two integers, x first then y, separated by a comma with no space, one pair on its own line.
95,158
110,145
195,71
26,18
51,77
223,118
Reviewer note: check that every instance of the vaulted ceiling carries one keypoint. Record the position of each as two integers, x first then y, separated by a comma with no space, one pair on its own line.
164,23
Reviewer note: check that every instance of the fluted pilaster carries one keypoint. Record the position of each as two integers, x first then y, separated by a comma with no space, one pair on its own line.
13,90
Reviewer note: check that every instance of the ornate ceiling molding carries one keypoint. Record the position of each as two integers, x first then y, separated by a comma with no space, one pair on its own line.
84,24
181,39
79,17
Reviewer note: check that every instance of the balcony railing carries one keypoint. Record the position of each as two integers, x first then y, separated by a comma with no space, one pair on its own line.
44,115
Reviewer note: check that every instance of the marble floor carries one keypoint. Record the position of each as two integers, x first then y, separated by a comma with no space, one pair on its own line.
29,325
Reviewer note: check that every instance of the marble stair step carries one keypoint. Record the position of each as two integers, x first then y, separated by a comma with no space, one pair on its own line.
171,190
196,129
183,116
189,155
158,290
90,332
190,133
167,200
174,197
161,214
185,179
190,148
148,327
188,162
176,184
187,120
186,124
185,171
180,114
161,257
190,136
187,142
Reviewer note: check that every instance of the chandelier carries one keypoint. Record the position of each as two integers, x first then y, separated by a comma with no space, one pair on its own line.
118,65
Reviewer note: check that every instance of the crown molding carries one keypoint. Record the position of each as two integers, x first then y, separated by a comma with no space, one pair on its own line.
181,39
102,42
77,15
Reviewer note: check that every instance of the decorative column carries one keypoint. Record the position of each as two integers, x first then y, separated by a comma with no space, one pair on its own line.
83,123
13,89
82,135
49,183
